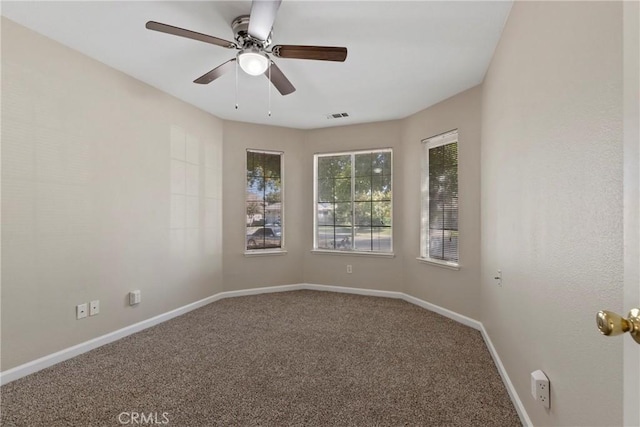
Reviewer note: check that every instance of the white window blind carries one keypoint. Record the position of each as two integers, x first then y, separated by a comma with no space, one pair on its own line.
440,234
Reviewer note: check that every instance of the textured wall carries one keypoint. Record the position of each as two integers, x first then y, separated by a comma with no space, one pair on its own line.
456,290
631,52
552,205
244,272
108,185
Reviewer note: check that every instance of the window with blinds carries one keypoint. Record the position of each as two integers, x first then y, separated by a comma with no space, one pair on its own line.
439,240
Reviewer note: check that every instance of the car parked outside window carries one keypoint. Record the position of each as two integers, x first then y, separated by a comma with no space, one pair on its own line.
264,237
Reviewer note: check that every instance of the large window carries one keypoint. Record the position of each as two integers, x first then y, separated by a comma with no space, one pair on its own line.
439,240
263,201
353,201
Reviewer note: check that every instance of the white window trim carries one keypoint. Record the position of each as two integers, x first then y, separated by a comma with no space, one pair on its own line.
439,263
268,251
265,252
353,253
427,144
317,250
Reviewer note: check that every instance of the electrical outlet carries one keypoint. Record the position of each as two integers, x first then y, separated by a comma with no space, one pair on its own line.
499,278
349,269
81,311
94,307
540,388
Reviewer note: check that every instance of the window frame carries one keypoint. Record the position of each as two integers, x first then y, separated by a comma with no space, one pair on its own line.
445,138
266,251
352,252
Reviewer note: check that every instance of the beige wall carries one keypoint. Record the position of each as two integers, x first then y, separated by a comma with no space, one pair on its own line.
93,205
455,290
552,205
241,271
368,272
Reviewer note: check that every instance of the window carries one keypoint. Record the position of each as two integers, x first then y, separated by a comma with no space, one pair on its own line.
439,240
263,201
352,195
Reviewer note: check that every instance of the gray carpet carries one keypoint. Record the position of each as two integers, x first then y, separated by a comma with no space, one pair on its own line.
294,358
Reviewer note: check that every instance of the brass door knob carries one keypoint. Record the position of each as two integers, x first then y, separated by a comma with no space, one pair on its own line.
612,324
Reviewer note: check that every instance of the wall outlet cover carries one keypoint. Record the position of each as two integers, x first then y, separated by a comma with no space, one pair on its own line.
94,307
540,388
81,311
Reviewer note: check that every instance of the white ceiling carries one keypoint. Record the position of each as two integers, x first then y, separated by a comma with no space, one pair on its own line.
403,56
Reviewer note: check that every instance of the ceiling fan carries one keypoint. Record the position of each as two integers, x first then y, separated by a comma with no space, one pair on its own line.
253,38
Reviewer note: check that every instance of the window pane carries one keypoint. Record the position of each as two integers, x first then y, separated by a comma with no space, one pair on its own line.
443,244
324,212
271,165
342,189
325,237
376,239
381,214
342,213
352,190
450,155
442,209
334,167
364,165
263,201
363,213
329,237
325,190
436,244
253,164
335,214
381,187
362,188
264,237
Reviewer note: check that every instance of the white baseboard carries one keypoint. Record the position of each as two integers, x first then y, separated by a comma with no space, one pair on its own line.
356,291
257,291
398,295
522,413
62,355
472,323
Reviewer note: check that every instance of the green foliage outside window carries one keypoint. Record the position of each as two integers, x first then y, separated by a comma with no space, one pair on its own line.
354,201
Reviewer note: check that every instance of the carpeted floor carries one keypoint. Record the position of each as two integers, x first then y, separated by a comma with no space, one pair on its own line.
294,358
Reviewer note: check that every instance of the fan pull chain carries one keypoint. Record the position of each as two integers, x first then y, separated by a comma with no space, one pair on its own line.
236,84
269,83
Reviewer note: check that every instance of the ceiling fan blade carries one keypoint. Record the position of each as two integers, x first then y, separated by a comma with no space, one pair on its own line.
279,80
321,53
176,31
263,14
216,72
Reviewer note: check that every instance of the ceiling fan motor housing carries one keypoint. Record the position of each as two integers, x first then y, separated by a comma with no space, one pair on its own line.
240,27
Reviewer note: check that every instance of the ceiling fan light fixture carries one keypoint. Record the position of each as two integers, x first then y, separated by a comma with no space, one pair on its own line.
253,62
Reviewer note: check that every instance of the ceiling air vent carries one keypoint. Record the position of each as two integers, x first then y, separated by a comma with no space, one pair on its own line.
337,115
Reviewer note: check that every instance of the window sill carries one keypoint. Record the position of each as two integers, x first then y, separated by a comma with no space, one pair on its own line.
438,263
263,252
354,253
